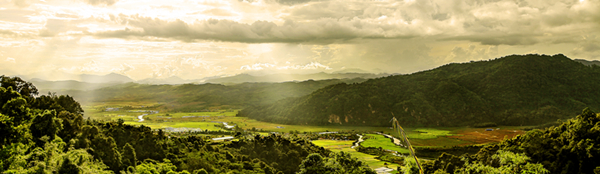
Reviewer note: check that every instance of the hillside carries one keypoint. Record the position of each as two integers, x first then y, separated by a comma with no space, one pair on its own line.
191,97
570,147
513,90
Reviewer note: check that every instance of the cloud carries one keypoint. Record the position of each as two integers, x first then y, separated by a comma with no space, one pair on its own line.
7,32
55,27
10,60
500,22
463,54
123,68
268,66
101,2
589,46
215,12
322,30
21,3
499,39
293,2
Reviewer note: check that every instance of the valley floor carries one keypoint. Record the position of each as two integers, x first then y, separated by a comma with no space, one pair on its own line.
226,121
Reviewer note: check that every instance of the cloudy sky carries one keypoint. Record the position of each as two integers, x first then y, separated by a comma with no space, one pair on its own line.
192,39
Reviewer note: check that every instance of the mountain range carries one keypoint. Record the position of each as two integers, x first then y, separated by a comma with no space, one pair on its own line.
244,78
512,90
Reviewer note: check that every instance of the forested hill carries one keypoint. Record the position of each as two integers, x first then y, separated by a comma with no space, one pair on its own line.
512,90
191,97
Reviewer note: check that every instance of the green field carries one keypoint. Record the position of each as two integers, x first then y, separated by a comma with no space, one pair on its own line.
375,140
429,137
344,146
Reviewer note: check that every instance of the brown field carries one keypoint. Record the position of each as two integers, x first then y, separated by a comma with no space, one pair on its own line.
481,136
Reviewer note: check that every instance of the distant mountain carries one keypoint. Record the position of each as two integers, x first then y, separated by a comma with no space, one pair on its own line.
587,62
513,90
243,78
350,70
169,80
55,86
88,78
109,78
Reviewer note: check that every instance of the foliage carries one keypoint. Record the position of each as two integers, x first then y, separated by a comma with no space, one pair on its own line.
571,147
200,97
509,163
49,135
513,90
337,163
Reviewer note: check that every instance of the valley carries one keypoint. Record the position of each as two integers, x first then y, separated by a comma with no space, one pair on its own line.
530,119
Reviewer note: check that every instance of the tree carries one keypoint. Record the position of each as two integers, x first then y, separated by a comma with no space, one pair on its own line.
68,167
45,124
129,158
17,109
26,89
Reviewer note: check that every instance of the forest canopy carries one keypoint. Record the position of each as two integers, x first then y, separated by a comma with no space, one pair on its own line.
512,90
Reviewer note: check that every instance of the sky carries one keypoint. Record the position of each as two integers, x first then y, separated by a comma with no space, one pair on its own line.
196,39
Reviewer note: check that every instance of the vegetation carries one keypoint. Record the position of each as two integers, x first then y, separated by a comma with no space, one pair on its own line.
203,97
47,134
379,141
571,147
513,90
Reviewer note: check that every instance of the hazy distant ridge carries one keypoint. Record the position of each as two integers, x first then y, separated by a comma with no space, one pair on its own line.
243,78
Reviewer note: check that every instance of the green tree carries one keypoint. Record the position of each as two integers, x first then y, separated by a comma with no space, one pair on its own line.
68,167
26,89
45,124
129,158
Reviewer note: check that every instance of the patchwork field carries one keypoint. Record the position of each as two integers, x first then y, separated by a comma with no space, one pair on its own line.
344,146
376,140
156,118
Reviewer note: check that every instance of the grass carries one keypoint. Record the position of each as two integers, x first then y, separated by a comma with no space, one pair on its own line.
344,146
202,125
428,133
375,140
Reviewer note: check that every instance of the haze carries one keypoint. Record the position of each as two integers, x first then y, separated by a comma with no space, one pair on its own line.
196,39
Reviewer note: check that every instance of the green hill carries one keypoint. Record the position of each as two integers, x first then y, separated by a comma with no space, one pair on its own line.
194,97
570,147
512,90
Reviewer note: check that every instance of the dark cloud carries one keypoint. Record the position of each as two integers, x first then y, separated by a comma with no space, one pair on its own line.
101,2
323,30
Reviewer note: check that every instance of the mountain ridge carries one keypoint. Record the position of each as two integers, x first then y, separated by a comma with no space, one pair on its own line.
512,90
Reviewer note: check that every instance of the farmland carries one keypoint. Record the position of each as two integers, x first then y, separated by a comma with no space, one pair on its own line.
211,120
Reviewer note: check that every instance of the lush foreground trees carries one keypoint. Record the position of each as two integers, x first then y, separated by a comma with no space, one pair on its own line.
47,134
571,147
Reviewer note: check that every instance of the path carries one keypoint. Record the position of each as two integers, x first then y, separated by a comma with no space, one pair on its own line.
141,117
360,140
395,140
383,170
